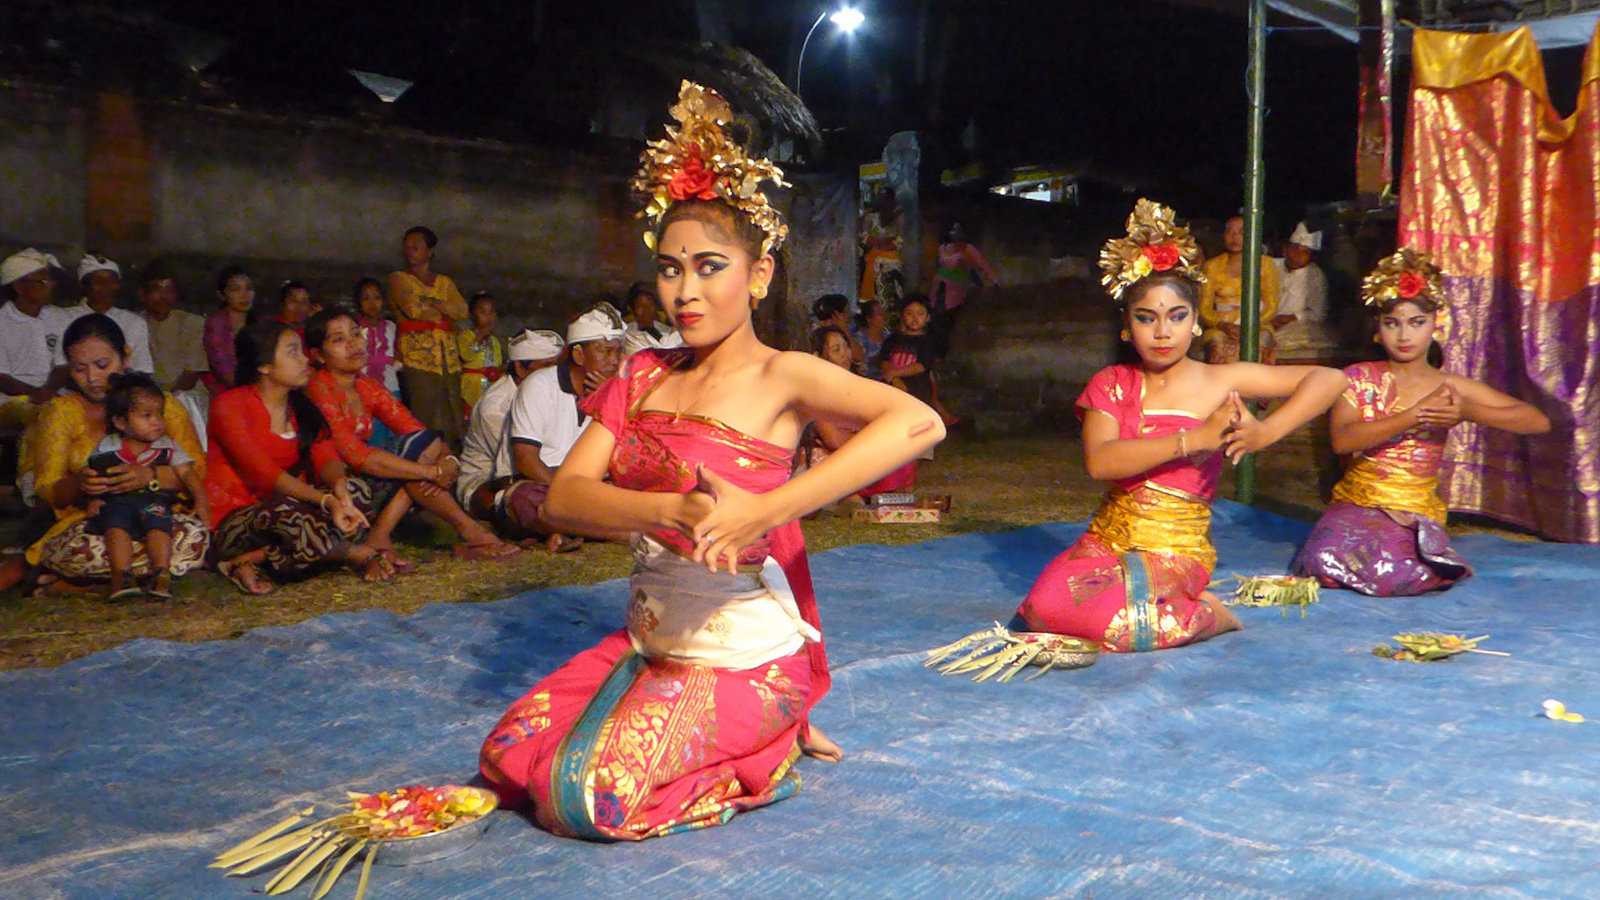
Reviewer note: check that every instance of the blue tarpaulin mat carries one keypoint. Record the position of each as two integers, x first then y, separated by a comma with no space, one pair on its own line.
1281,760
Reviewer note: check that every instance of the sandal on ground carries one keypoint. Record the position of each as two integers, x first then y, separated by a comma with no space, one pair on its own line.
247,577
127,593
375,568
563,543
486,552
400,564
159,585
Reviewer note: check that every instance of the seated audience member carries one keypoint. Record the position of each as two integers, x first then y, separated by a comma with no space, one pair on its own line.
137,436
31,361
68,431
268,450
823,437
101,280
909,355
546,420
486,469
1301,325
647,329
834,310
237,294
871,329
420,470
483,353
177,345
1221,298
294,305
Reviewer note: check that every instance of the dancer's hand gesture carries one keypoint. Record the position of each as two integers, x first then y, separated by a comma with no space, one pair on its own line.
1208,437
739,518
1246,434
1440,409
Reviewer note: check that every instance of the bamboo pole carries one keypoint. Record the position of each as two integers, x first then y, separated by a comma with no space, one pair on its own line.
1254,185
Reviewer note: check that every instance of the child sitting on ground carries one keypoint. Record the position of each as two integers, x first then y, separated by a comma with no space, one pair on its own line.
822,437
137,436
909,355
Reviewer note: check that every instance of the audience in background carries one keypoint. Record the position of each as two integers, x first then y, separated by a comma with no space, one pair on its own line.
237,294
833,310
101,280
427,305
294,305
483,353
822,437
176,340
647,327
870,329
486,468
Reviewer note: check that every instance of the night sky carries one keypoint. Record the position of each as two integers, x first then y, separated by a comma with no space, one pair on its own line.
1138,91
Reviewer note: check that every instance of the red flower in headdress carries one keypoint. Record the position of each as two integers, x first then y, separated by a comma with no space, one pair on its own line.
1410,285
1162,256
694,181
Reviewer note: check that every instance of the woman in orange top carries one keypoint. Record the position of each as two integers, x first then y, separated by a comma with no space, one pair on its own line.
420,463
426,307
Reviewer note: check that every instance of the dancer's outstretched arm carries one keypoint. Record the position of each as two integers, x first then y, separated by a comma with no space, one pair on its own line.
1309,391
899,428
1486,406
1108,457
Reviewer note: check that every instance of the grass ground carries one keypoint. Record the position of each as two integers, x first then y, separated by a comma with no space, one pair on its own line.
997,484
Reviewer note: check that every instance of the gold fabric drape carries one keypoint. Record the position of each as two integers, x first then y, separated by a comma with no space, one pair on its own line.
1503,192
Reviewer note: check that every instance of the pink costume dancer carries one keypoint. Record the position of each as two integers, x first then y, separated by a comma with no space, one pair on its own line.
640,736
1133,581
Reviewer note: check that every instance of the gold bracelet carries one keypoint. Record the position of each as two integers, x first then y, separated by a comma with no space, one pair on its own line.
322,503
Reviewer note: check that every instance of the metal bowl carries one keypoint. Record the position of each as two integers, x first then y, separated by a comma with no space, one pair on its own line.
1059,651
424,848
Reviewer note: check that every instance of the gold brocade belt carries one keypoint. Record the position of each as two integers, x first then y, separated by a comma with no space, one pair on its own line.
1376,486
1156,520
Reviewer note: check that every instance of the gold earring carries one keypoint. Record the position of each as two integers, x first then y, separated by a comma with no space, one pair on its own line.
759,292
1377,339
1126,337
1197,330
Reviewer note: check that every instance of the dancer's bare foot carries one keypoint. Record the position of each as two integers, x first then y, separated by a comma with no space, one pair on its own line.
817,745
1226,620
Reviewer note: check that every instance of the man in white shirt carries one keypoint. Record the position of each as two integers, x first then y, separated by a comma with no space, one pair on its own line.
1301,321
546,418
101,279
646,328
486,451
32,365
177,345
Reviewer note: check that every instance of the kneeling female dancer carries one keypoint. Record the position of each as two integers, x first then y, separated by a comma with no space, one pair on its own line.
1157,430
697,709
1384,533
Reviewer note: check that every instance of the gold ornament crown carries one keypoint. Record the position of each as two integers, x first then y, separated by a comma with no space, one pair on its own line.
698,161
1405,274
1155,243
1408,275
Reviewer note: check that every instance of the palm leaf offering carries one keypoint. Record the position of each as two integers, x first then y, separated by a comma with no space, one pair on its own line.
1275,590
322,850
999,651
1431,646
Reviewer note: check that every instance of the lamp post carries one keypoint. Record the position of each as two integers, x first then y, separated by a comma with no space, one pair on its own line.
847,18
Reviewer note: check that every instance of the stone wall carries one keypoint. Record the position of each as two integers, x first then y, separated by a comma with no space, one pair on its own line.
326,201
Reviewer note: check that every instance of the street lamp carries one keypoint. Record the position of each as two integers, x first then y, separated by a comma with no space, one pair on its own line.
847,19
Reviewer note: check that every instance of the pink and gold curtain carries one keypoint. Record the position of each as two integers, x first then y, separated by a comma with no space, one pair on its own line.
1503,193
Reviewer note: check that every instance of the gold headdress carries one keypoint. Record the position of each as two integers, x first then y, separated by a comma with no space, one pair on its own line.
697,161
1407,274
1155,243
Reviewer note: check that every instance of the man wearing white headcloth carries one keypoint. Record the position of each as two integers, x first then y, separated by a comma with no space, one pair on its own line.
1301,320
32,367
546,420
101,279
486,469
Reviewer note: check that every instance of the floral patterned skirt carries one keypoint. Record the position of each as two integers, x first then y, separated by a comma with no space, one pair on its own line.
78,554
614,746
1126,601
1367,550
